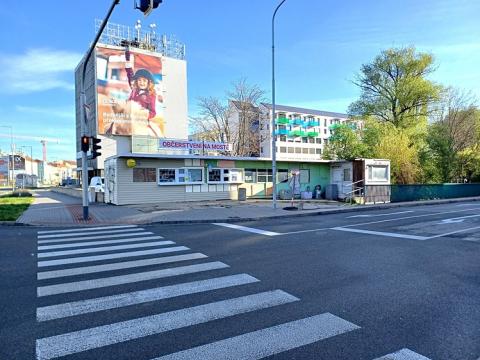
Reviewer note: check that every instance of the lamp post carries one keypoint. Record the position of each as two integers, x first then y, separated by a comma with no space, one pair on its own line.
83,118
274,135
12,148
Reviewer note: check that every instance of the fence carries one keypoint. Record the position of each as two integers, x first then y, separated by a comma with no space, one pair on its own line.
432,191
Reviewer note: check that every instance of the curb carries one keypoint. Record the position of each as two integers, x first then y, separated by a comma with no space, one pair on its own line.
359,208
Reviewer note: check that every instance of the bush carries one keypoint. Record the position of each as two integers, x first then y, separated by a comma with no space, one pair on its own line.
18,193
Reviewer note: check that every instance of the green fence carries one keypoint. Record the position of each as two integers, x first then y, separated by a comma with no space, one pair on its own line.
433,191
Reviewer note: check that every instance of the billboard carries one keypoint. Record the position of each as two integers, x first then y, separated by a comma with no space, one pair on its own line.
4,166
19,162
129,93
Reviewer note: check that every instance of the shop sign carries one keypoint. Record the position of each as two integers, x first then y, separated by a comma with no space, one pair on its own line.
173,144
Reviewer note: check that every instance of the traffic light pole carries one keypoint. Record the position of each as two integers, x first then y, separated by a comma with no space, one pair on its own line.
83,101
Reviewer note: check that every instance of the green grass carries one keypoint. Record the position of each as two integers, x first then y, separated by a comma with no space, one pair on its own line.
11,207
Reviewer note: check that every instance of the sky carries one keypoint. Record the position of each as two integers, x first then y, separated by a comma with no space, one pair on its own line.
320,47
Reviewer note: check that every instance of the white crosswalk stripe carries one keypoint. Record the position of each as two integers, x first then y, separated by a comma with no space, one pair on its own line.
77,260
404,354
127,279
90,243
67,235
269,341
117,266
139,297
103,248
87,229
78,341
83,238
254,345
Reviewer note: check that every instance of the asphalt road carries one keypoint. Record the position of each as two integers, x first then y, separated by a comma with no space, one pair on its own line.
341,286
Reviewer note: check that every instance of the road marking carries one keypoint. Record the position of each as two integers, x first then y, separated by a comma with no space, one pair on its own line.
87,339
127,279
87,229
269,341
404,354
140,297
117,266
456,220
248,229
87,233
83,238
467,205
381,233
76,260
103,248
102,242
375,215
304,231
454,232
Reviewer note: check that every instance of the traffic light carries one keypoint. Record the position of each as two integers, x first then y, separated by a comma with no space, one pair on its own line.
146,6
95,147
85,143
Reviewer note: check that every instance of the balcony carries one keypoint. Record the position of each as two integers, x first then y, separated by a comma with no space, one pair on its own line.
281,132
297,133
296,122
282,121
312,134
312,123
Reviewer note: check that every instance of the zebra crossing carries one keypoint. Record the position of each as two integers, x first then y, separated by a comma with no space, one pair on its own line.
65,257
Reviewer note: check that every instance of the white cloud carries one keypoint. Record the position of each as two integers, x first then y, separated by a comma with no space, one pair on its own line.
62,112
38,70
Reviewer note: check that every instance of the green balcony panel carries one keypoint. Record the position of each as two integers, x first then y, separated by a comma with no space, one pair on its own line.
282,121
312,134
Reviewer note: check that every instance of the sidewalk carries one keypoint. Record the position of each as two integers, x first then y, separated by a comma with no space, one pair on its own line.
55,209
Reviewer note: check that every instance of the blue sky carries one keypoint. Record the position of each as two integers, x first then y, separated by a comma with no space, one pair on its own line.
320,47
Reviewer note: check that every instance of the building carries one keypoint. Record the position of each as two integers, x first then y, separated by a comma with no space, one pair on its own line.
119,111
302,134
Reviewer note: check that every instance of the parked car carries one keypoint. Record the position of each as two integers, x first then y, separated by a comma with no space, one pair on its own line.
97,183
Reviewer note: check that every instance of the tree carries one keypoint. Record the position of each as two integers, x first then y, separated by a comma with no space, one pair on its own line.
345,143
394,87
234,119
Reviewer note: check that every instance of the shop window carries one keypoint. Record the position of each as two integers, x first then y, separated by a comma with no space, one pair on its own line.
144,175
282,175
264,175
225,176
250,175
181,176
166,176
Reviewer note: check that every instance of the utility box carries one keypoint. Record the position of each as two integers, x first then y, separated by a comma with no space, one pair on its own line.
242,194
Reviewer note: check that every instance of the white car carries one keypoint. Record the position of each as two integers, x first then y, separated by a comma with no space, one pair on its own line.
97,183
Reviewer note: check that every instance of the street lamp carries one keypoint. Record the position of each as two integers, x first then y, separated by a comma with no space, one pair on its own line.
13,155
274,135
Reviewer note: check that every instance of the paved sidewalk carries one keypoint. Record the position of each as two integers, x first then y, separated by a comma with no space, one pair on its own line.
54,209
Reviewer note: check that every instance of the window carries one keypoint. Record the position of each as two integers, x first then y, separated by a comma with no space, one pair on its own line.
304,140
312,151
222,176
324,131
318,151
377,173
282,175
311,140
298,150
166,176
305,151
283,149
318,140
250,175
290,150
144,175
264,175
347,175
304,176
325,141
283,138
180,176
324,122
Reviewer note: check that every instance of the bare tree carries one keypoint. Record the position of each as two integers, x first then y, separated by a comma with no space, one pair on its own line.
234,120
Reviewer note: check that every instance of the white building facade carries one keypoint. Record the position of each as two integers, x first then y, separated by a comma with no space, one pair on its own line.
302,134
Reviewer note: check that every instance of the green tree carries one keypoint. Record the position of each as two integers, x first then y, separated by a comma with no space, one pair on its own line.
344,143
394,87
